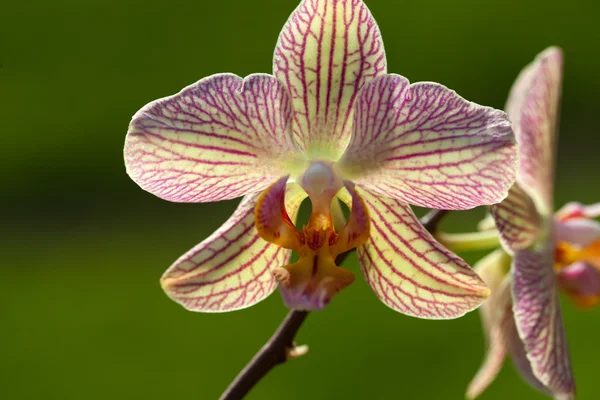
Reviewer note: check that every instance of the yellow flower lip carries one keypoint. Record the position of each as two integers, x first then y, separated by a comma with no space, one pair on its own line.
311,282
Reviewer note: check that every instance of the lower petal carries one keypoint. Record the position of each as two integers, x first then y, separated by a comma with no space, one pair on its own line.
516,349
500,328
409,270
495,314
233,268
539,319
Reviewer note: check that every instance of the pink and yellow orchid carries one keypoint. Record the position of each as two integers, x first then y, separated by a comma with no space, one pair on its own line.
542,251
329,124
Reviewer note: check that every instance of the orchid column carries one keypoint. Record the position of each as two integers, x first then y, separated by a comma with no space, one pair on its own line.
329,124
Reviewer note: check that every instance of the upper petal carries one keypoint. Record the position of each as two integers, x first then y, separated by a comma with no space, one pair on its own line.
517,220
539,321
220,138
326,52
409,270
232,268
425,145
533,107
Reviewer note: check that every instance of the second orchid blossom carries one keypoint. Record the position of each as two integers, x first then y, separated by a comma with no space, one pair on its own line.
329,123
543,251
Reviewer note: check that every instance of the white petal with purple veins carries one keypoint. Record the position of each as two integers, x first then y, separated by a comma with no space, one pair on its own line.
539,320
220,138
409,270
232,268
517,220
425,145
533,108
326,52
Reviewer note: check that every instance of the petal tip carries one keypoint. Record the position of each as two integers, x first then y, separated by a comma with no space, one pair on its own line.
485,292
553,53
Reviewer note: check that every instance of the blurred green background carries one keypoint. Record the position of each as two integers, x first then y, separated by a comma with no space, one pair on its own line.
83,316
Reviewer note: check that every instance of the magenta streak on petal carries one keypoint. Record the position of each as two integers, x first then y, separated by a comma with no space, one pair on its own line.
317,34
425,145
414,252
500,329
517,220
533,108
231,269
538,318
409,270
208,243
519,357
219,138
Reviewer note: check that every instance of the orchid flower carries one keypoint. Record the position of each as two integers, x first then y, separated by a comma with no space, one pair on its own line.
543,251
329,124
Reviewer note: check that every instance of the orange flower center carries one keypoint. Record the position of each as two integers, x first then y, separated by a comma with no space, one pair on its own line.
578,271
312,281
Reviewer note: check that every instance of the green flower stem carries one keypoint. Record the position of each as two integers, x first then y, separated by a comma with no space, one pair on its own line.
458,242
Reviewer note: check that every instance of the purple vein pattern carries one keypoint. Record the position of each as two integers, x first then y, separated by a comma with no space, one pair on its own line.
231,269
220,138
539,321
533,107
409,270
517,220
427,146
499,327
226,137
326,52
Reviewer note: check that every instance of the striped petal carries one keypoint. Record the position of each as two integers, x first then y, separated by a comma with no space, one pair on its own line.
517,220
499,327
409,270
496,316
539,322
516,349
327,51
425,145
220,138
232,269
533,108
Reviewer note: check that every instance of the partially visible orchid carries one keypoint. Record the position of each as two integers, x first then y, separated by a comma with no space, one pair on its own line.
542,251
329,123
